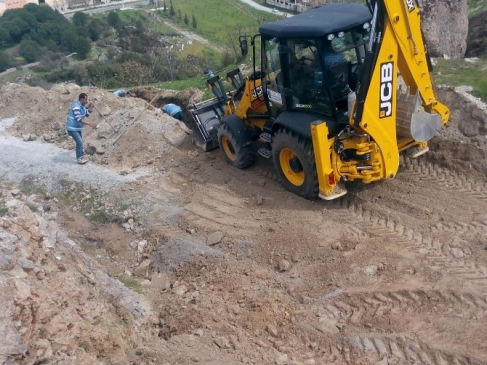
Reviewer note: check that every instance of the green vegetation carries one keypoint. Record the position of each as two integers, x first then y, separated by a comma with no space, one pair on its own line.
39,29
476,6
132,284
218,20
85,345
30,185
125,48
461,72
89,203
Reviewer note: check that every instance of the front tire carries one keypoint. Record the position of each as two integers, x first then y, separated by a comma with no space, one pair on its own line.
236,155
294,160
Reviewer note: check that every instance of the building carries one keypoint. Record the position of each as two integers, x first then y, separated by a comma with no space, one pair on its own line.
296,5
14,4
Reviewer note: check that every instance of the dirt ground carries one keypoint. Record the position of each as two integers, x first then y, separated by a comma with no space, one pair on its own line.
197,262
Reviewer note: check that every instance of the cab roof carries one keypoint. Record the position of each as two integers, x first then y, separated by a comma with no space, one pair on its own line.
318,21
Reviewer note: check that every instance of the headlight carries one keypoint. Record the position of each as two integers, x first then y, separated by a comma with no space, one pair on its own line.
367,26
341,34
330,37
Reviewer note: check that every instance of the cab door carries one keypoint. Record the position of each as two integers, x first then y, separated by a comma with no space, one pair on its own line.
274,76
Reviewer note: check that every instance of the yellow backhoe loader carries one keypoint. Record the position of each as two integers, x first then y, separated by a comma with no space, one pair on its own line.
342,90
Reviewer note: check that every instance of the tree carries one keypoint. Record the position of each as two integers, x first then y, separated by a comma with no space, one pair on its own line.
80,19
186,20
171,10
139,26
14,31
165,7
4,35
29,50
194,22
179,16
82,47
95,28
113,19
4,61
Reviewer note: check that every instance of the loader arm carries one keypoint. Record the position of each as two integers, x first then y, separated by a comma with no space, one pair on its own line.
397,46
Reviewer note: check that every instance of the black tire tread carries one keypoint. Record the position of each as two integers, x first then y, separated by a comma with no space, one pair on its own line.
246,155
286,137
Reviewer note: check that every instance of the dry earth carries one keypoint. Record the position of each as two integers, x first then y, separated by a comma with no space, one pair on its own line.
158,253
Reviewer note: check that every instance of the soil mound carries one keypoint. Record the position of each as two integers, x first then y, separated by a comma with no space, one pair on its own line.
132,131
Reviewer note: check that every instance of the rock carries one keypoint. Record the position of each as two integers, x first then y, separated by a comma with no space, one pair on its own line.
370,270
181,290
25,264
141,246
141,270
281,359
476,40
215,238
284,265
222,342
15,192
160,281
445,27
262,343
457,252
260,200
272,330
337,246
325,325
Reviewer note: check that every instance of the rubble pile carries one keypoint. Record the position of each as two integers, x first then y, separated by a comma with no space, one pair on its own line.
126,124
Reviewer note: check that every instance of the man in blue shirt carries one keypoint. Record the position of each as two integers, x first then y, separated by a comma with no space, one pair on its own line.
330,56
75,123
174,111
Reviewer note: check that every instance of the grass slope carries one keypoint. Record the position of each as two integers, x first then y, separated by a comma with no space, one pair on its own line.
215,18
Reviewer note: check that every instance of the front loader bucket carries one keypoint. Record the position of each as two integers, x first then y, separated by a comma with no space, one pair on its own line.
206,116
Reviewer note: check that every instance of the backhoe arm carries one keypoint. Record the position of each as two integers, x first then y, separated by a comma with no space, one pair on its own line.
397,119
413,61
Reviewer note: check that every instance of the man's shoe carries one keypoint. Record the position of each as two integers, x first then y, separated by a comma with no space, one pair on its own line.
82,160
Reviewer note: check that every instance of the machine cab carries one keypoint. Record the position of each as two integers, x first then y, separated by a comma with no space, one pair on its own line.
313,71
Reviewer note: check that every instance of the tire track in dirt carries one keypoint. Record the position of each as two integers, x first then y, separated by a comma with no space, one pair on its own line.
403,350
217,209
460,184
438,254
354,307
432,313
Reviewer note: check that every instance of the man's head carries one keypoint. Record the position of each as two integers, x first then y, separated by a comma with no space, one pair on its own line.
83,98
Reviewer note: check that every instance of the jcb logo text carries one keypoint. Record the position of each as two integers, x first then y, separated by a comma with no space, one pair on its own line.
411,5
386,77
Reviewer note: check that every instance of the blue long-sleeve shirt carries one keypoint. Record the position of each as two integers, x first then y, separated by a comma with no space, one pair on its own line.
171,109
77,112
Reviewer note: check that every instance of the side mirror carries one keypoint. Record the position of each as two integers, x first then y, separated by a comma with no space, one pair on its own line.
244,48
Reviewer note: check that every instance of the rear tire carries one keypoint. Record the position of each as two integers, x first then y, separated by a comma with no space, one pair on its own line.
294,160
236,155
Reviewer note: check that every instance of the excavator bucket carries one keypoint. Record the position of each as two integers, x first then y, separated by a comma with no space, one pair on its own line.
412,120
207,114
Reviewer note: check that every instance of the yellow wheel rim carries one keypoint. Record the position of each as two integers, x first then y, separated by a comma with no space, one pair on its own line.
228,148
285,157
